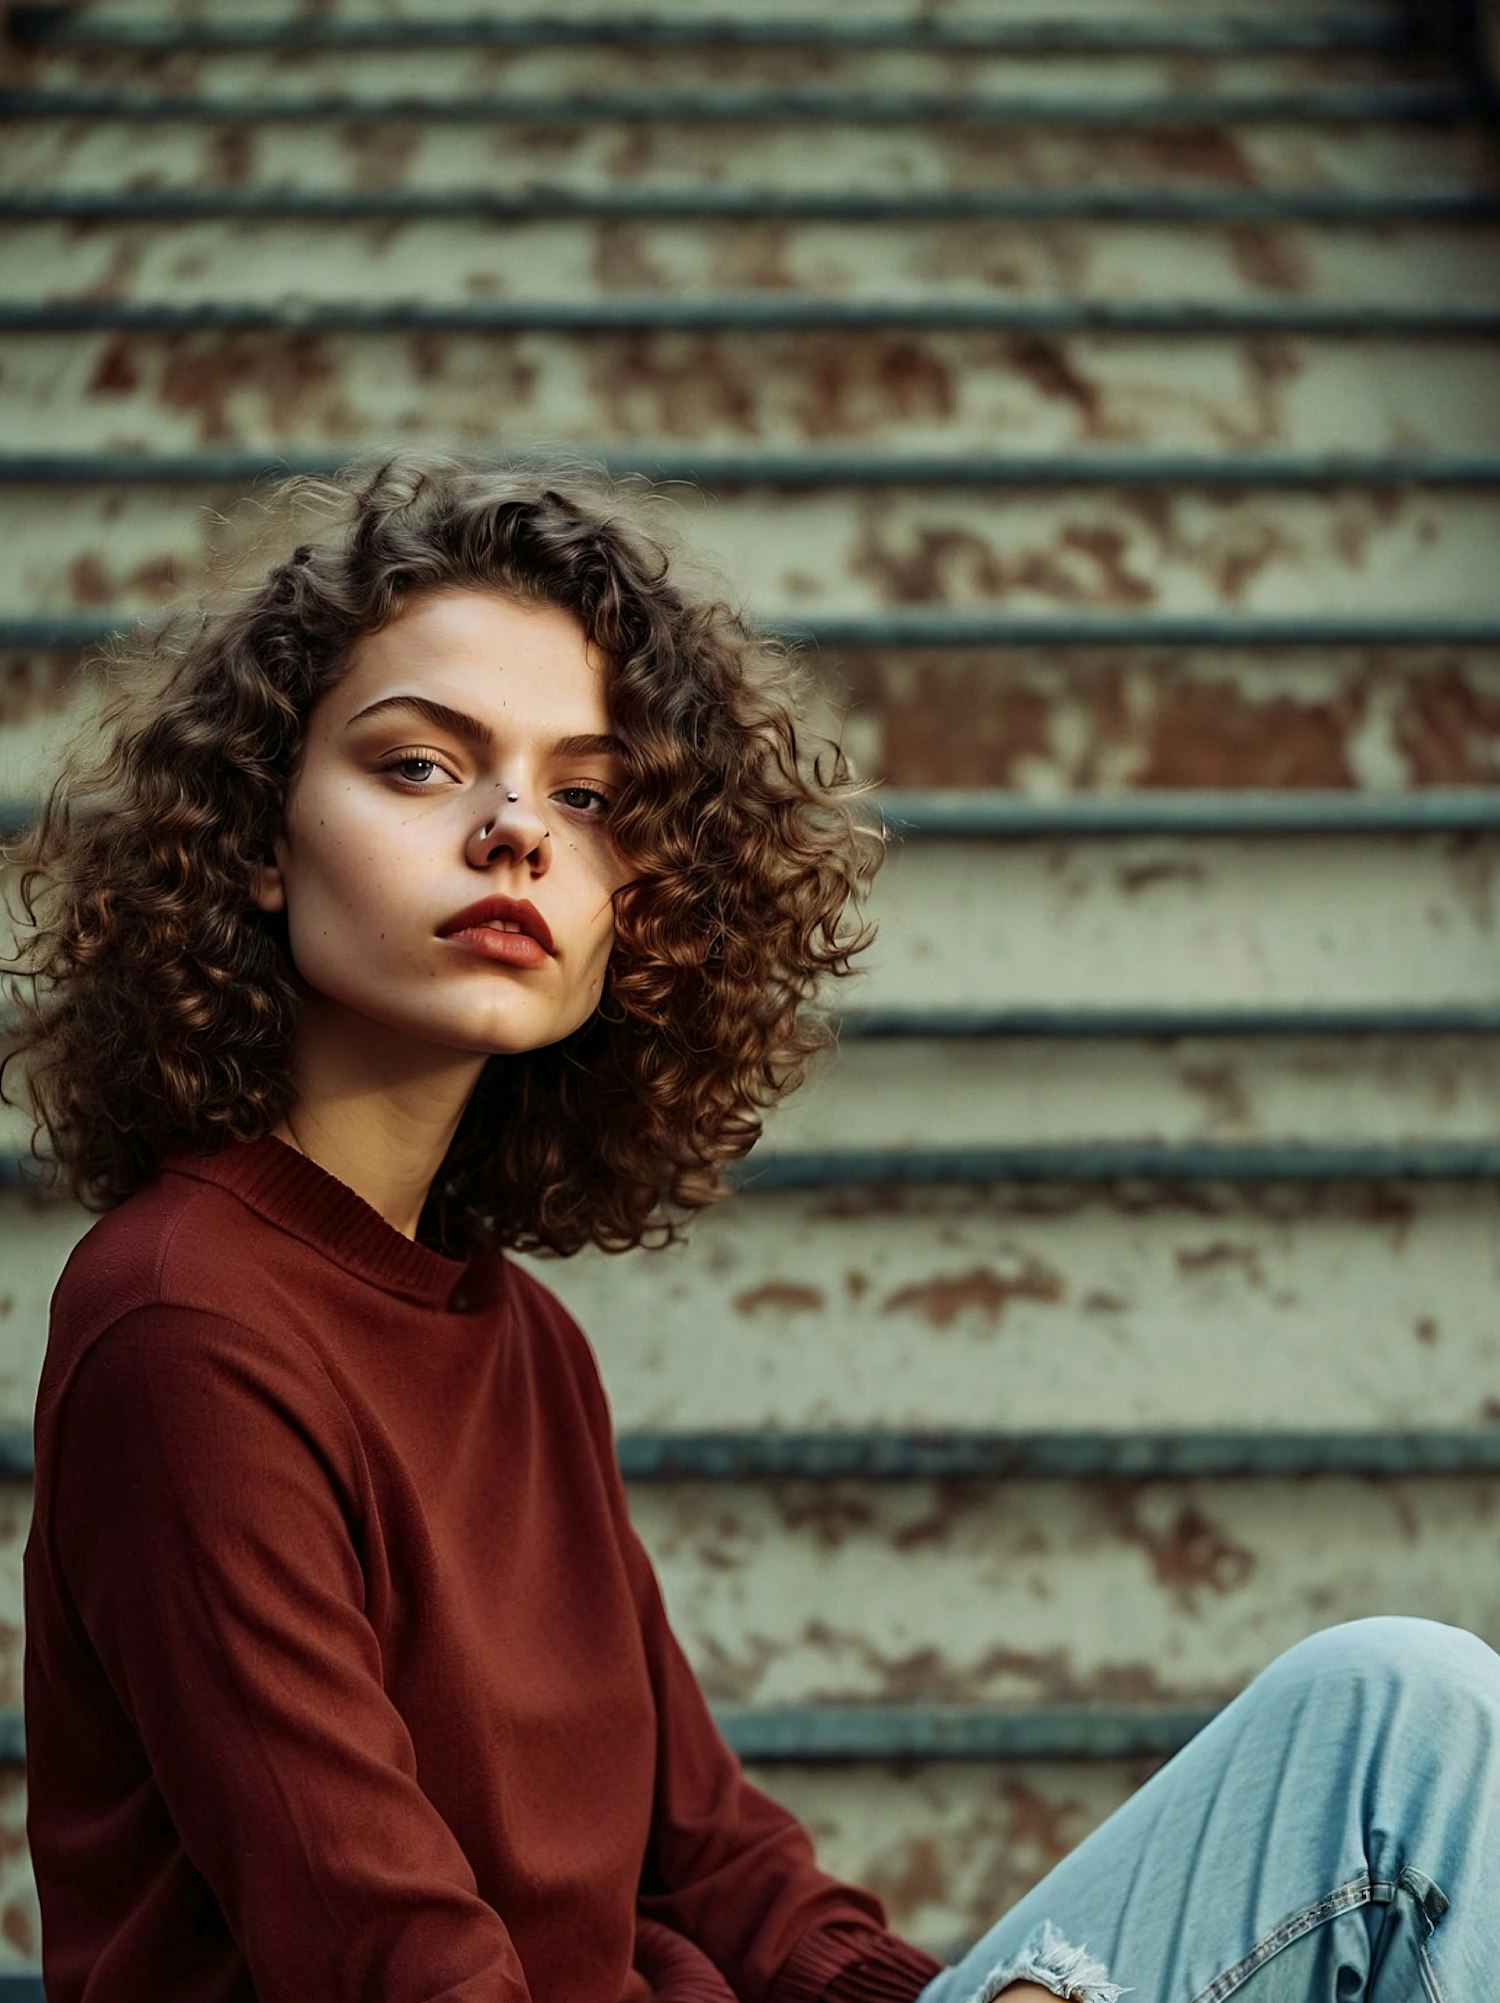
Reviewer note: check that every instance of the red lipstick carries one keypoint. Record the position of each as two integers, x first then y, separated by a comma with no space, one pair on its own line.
478,927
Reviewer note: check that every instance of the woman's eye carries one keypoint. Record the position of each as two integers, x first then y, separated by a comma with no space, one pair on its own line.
574,795
414,767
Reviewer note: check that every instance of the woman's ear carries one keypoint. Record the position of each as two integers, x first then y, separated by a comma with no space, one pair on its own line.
268,890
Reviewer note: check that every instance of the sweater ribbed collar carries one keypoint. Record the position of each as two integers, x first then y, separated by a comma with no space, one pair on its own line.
292,1191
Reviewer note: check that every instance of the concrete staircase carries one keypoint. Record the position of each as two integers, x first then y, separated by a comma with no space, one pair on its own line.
1113,403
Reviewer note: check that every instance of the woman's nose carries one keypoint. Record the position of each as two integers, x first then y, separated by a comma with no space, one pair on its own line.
512,826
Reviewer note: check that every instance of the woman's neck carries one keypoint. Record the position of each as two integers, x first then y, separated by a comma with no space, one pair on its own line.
374,1111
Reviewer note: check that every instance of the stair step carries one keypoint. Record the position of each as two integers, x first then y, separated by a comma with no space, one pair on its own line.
1059,1309
922,566
1234,31
574,264
1053,723
1156,922
681,400
1275,1097
422,156
914,71
811,1659
951,811
1058,723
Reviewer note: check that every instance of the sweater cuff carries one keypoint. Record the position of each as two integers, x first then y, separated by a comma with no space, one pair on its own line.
847,1963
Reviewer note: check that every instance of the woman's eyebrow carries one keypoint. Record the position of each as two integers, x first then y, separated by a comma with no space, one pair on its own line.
585,744
438,714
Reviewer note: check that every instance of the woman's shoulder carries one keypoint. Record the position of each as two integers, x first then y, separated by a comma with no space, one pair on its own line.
549,1323
175,1244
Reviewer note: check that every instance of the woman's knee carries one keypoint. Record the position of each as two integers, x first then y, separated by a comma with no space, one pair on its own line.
1388,1649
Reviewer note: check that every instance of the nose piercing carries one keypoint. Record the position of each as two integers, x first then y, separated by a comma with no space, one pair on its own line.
512,796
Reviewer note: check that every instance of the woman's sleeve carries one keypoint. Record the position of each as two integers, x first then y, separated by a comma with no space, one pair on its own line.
726,1865
205,1534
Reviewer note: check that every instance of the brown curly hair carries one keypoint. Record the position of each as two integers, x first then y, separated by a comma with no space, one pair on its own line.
156,1005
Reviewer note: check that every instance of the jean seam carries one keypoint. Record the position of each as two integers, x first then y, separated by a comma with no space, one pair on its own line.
1429,1975
1358,1892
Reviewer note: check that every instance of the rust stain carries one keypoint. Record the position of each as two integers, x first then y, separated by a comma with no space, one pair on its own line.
1134,877
1269,362
1221,1256
1106,548
231,156
940,565
955,724
632,153
1269,259
676,388
1471,870
841,388
21,1931
925,1676
34,684
1210,154
117,370
829,1512
918,1879
295,379
1212,734
622,260
121,268
981,1291
380,155
1426,1330
1447,729
753,259
782,1297
1236,565
1226,1103
1192,1555
1050,1829
1049,367
91,583
1390,1209
951,1500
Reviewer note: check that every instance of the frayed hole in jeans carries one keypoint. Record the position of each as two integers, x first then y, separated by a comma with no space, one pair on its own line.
1053,1963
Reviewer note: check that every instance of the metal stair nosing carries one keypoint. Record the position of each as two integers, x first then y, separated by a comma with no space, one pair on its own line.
799,469
1396,103
870,632
1335,207
752,313
1265,30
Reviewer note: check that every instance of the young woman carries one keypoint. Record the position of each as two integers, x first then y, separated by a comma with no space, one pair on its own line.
467,886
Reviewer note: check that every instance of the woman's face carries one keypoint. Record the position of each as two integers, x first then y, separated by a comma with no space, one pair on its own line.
463,700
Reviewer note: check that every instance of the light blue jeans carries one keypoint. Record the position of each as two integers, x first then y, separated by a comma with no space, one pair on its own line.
1333,1836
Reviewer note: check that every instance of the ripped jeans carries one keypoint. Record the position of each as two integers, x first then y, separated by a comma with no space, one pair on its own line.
1332,1836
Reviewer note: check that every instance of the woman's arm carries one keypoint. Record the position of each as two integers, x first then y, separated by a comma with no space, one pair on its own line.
727,1866
203,1528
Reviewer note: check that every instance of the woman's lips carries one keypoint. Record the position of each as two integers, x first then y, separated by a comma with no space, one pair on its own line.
506,949
508,931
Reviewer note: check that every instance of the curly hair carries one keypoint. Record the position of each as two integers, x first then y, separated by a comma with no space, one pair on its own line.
156,1004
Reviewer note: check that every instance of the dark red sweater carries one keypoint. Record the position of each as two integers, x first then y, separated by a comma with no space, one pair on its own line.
345,1673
